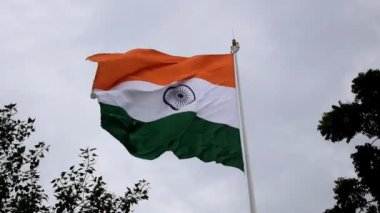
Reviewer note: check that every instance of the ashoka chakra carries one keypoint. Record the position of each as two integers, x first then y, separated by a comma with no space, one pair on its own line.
178,96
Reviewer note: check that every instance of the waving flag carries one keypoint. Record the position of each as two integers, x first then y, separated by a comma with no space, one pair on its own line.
153,102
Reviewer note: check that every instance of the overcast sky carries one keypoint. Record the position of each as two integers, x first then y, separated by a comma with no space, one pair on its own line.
297,58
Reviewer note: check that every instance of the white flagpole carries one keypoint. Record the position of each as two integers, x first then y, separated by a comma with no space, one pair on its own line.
234,50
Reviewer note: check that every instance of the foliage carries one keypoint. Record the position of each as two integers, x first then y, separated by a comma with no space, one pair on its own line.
343,122
361,116
80,190
19,188
76,190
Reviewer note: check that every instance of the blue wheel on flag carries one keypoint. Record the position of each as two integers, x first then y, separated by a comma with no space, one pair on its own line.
178,96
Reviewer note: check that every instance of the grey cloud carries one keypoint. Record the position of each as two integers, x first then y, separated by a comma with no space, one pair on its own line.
296,59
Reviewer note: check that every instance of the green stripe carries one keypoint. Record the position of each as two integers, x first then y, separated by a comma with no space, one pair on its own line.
185,134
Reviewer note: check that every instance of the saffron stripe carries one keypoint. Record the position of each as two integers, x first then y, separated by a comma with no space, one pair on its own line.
161,69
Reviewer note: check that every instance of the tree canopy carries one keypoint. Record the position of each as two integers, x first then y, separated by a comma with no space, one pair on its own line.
343,122
77,190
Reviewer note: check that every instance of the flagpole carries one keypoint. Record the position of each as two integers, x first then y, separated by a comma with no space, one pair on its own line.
234,50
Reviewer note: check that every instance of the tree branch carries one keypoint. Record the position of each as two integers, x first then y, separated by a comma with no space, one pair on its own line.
374,140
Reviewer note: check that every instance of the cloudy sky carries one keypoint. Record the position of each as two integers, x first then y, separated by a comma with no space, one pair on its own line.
297,58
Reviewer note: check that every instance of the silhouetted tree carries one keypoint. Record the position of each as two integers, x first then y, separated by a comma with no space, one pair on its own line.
343,122
76,190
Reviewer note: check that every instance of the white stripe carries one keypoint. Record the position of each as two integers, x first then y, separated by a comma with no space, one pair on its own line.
144,101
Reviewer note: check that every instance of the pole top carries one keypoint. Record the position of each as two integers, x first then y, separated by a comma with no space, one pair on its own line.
235,46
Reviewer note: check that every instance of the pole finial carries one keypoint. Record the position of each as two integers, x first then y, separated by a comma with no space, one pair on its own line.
235,46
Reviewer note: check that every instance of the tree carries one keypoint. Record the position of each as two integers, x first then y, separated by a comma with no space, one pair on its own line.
77,190
343,122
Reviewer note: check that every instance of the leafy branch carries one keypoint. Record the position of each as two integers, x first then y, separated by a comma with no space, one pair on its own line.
77,190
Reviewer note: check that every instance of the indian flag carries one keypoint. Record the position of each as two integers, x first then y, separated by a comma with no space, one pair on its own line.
153,102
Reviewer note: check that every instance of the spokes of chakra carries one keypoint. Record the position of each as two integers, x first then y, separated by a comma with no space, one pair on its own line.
179,96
